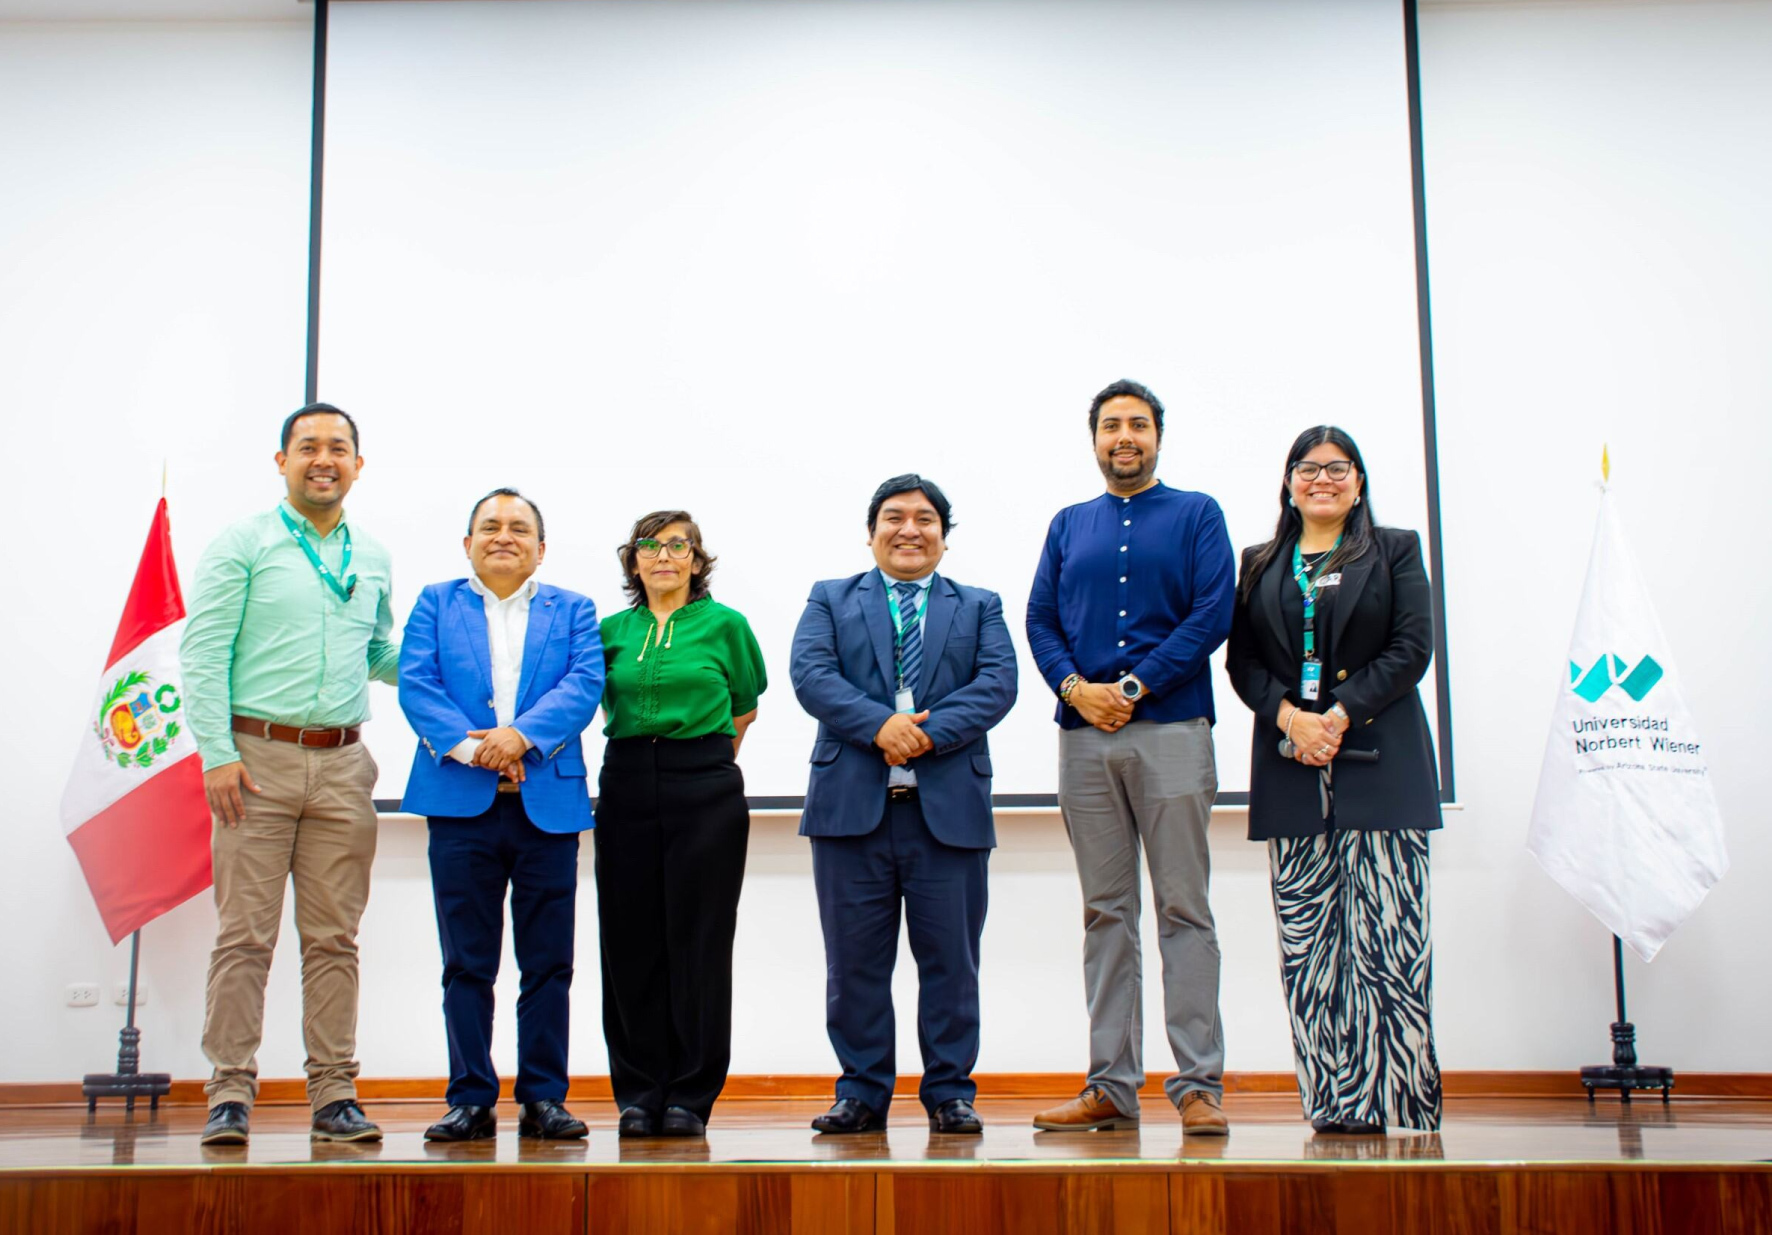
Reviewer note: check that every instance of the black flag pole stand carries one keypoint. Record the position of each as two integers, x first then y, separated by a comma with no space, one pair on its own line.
128,1082
1624,1073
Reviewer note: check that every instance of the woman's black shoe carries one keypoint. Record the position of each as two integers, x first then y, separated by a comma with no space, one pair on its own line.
637,1121
681,1122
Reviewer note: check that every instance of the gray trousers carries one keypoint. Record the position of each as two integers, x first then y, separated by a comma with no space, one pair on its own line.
1150,785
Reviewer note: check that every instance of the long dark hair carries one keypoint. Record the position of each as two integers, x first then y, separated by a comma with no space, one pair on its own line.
1356,535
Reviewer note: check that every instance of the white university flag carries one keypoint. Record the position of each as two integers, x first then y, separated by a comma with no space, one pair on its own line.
1625,819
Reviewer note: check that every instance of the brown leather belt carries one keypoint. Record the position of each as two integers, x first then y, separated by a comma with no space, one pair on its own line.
318,738
509,786
901,793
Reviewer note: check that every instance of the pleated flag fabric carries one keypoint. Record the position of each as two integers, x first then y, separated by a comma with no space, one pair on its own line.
134,809
1626,819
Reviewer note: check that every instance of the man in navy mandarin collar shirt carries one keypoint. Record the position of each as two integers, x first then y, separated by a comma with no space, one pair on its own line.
1133,594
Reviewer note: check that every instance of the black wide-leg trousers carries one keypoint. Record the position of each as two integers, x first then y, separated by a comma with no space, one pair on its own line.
672,829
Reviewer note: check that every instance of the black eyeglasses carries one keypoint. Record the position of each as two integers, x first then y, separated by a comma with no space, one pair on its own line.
1337,470
649,548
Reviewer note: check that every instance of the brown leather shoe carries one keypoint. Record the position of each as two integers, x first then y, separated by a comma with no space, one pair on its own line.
1089,1111
1202,1115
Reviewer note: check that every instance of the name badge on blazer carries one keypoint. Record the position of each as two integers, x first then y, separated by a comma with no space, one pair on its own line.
1333,580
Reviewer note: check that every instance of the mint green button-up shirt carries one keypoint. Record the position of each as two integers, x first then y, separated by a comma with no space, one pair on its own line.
266,637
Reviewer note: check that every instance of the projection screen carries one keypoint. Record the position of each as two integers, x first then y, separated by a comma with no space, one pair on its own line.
750,257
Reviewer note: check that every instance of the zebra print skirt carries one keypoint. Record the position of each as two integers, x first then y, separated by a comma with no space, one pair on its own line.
1356,961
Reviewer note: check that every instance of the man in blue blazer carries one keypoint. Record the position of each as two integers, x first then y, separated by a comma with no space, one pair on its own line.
499,677
906,671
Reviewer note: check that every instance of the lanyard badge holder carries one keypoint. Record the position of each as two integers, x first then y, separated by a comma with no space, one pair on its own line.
344,591
1310,676
903,700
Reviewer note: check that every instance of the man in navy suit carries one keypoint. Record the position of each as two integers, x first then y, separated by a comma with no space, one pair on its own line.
906,671
500,676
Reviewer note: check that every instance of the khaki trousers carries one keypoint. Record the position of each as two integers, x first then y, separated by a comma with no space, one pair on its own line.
313,822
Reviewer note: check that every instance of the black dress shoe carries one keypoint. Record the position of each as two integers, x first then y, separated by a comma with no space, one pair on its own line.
464,1123
343,1121
637,1121
1325,1125
680,1121
226,1126
849,1115
956,1118
1358,1127
550,1121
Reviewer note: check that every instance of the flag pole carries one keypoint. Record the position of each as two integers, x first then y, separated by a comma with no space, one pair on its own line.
1624,1073
128,1081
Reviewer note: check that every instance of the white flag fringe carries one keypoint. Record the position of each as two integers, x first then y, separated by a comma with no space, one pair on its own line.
1625,819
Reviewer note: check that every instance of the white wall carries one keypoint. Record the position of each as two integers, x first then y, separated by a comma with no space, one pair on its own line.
1599,275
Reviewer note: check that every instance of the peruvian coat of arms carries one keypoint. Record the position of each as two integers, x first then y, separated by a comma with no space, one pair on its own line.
135,722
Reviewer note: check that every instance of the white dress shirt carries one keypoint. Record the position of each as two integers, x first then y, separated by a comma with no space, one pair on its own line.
507,628
902,774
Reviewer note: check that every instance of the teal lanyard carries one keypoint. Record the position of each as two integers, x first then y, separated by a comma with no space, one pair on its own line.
1306,585
343,590
898,622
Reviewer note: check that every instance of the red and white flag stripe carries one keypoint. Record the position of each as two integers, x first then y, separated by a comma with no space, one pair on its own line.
134,809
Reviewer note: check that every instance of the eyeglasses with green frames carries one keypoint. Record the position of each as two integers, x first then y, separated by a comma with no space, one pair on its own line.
676,548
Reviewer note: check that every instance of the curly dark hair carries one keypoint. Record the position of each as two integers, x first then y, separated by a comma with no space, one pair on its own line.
652,525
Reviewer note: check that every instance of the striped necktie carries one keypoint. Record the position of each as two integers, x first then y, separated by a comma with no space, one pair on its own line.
910,654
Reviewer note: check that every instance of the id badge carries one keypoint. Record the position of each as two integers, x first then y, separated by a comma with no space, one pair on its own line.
904,703
1310,681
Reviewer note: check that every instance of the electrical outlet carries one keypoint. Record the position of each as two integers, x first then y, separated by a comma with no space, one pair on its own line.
121,998
83,994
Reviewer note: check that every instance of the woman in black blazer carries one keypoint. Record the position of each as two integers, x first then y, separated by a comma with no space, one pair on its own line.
1331,632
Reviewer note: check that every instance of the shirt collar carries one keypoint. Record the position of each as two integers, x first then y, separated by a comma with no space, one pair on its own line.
307,524
1136,497
920,584
526,592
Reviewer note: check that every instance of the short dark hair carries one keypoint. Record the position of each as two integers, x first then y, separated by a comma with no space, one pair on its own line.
652,525
319,409
541,527
1126,388
910,482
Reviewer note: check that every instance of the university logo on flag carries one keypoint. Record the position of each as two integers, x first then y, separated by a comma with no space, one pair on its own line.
134,810
1625,820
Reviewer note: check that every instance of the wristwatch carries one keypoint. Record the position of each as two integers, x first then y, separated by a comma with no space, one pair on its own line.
1131,688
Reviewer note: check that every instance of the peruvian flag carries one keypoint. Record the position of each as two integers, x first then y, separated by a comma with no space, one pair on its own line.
134,809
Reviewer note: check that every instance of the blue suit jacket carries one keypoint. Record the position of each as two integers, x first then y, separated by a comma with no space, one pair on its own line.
446,690
843,675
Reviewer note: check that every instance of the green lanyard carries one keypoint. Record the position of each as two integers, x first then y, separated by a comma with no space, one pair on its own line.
344,590
898,623
1302,578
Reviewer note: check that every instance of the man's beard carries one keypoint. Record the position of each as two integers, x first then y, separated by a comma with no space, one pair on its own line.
1124,475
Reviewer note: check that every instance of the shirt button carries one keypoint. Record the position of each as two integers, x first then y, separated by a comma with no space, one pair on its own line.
1122,613
1126,523
1122,548
1122,643
1122,578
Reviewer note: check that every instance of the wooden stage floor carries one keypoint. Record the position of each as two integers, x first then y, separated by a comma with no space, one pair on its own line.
1501,1165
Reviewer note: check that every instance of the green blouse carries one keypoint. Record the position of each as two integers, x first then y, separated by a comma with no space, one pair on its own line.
685,681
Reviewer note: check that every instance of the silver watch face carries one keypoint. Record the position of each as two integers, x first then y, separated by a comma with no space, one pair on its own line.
1131,688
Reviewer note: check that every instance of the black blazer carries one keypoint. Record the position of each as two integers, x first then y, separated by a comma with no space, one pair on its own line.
1381,637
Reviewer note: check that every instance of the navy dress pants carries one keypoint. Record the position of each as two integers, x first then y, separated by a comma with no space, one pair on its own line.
862,882
473,861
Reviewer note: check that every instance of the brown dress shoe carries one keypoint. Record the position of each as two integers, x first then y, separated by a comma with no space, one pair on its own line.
1089,1111
1202,1115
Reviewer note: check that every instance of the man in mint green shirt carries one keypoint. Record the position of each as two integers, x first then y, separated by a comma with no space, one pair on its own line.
290,618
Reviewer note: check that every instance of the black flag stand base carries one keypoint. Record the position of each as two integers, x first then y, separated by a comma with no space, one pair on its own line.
127,1082
1624,1073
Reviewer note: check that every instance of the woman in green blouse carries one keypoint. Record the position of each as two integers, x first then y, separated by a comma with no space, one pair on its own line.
672,826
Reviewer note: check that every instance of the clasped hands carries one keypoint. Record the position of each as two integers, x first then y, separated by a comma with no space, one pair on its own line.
1102,705
901,738
502,750
1316,736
